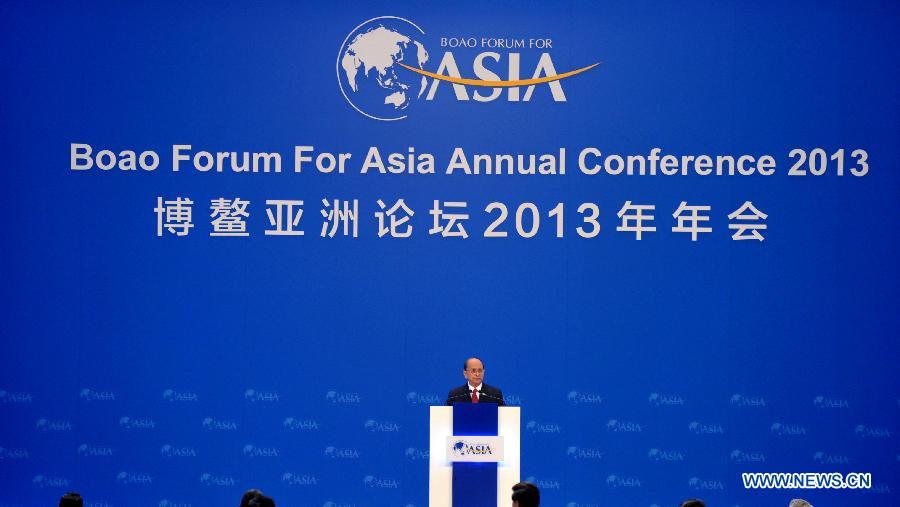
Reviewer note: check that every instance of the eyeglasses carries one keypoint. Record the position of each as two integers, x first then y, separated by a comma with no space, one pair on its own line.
473,370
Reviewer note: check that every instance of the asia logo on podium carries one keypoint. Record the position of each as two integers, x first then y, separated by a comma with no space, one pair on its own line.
478,449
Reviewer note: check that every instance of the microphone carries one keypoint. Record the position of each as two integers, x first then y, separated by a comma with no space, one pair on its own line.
464,395
468,395
501,400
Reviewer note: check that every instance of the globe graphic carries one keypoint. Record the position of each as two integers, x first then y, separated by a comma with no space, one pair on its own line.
367,69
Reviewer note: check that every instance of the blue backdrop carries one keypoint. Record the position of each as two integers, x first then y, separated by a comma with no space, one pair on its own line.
154,369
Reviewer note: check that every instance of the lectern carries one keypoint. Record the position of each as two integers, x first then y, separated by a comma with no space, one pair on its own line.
474,455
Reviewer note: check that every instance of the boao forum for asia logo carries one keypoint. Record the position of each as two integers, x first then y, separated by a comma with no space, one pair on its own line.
381,68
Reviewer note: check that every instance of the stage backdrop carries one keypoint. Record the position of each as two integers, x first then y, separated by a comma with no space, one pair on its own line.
248,244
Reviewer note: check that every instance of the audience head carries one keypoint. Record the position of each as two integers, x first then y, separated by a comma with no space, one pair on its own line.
249,495
71,499
526,494
799,502
693,502
262,501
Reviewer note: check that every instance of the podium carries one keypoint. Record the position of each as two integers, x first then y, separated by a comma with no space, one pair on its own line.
474,453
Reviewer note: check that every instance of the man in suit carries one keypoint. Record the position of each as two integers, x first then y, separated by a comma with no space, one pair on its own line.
475,390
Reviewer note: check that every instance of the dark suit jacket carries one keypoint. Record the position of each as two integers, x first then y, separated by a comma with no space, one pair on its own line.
489,394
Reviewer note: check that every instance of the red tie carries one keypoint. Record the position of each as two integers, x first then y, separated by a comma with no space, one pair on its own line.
474,395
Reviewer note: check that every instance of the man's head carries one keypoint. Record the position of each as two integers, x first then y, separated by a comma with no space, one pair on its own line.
799,502
71,500
473,370
693,502
262,501
249,495
526,494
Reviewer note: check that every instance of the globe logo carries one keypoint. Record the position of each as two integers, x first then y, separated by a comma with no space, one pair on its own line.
367,69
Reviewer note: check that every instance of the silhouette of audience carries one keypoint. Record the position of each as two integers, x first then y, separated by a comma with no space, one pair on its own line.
526,494
262,501
71,499
256,498
249,495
